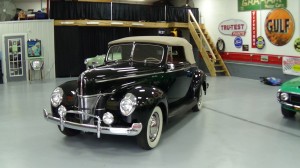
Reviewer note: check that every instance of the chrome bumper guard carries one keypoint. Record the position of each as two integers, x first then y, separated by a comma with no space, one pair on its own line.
135,128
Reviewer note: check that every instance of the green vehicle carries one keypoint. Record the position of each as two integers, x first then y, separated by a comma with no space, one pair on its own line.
99,60
94,61
289,97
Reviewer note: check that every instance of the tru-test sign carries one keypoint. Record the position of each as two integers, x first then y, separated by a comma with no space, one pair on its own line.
279,26
250,5
233,27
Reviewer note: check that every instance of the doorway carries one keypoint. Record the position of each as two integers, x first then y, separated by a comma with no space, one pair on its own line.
15,58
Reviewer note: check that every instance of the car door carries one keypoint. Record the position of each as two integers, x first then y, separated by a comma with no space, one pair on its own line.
179,74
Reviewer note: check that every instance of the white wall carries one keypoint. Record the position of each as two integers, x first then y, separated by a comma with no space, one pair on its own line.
34,29
213,12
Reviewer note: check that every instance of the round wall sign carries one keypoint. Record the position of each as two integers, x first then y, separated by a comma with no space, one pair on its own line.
220,45
260,42
279,26
238,42
297,44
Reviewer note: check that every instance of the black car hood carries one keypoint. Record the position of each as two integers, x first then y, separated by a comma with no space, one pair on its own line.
100,79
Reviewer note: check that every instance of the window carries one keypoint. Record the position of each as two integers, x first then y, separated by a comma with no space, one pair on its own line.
178,54
148,53
119,52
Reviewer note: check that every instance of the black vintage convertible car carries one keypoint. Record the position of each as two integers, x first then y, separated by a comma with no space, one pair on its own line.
143,82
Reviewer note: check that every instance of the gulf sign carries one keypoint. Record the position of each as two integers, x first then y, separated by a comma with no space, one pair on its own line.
279,26
233,27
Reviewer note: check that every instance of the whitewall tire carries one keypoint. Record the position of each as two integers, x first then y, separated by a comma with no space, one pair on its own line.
151,133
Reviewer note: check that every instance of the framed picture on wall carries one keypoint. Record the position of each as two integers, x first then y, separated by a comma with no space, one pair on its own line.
34,48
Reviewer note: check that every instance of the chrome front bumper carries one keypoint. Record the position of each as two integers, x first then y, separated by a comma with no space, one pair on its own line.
135,128
295,107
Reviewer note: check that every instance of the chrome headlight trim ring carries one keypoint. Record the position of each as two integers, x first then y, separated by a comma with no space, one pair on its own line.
284,96
128,104
57,97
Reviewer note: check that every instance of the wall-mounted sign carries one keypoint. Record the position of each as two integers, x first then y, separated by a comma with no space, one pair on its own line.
238,42
233,27
34,48
220,45
291,65
260,42
264,58
248,5
245,47
297,44
279,26
253,28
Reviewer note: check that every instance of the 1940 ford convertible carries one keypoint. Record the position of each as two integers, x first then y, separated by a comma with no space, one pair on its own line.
143,82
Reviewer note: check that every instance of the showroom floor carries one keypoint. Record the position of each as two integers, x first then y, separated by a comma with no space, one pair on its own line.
240,126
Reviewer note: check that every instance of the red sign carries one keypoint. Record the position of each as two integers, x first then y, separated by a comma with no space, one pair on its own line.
253,28
233,27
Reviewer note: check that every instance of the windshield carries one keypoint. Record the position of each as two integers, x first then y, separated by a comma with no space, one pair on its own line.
146,53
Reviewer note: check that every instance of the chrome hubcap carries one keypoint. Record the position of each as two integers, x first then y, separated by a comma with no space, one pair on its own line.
154,126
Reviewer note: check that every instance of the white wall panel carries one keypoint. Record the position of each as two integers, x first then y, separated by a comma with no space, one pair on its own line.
35,29
213,12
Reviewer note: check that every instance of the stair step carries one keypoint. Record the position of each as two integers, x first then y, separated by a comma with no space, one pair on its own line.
218,64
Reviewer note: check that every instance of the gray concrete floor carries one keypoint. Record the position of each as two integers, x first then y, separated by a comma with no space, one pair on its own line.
240,126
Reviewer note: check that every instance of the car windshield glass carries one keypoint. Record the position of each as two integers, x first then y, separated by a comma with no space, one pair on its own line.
119,52
148,53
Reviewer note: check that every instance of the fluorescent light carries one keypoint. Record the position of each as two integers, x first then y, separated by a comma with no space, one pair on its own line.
66,22
137,24
89,23
117,23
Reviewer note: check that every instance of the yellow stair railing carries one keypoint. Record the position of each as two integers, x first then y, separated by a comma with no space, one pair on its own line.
207,49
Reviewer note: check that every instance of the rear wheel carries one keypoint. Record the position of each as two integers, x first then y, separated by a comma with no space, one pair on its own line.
199,104
151,132
287,113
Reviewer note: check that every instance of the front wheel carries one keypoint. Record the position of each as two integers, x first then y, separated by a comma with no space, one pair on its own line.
287,113
151,133
199,104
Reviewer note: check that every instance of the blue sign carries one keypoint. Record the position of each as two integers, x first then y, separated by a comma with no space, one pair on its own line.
238,42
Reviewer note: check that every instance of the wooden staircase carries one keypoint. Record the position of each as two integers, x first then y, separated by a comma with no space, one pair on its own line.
207,49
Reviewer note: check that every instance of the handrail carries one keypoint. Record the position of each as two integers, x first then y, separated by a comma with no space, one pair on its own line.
201,33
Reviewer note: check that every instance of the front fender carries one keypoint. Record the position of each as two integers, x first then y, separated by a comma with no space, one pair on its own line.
148,97
69,97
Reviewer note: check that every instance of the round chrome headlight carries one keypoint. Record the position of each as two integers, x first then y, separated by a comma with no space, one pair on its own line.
108,118
61,109
128,104
284,96
57,96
